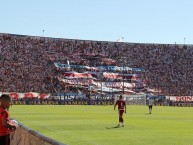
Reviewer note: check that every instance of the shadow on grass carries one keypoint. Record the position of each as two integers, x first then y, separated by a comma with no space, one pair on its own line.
147,113
114,127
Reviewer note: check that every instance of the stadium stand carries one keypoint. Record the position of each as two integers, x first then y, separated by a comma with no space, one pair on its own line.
84,67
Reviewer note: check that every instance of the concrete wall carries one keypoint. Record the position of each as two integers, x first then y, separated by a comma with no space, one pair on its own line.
26,136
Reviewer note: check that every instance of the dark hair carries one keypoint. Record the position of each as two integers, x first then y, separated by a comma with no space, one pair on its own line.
5,96
120,96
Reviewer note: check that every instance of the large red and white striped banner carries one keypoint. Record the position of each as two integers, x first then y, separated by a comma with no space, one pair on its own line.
99,84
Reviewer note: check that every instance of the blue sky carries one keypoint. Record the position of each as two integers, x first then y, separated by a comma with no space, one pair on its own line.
138,21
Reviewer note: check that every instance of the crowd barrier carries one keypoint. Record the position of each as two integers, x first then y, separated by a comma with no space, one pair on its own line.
25,136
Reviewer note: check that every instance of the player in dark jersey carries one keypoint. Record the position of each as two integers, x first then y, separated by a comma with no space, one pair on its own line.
121,109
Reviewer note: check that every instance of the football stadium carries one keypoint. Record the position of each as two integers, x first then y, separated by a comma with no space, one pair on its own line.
63,91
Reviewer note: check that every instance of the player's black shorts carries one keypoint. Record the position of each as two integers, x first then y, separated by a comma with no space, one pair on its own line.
4,140
150,107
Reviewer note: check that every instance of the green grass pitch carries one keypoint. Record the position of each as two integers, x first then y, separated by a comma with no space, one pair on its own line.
94,125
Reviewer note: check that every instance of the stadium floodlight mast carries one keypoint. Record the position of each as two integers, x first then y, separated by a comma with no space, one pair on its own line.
123,62
43,33
184,41
123,79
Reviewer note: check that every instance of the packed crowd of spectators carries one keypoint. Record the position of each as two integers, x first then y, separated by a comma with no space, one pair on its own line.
27,63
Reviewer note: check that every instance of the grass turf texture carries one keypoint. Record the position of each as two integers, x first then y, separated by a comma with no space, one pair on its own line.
94,125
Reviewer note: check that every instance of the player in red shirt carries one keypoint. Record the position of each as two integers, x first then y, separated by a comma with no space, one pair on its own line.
5,124
121,109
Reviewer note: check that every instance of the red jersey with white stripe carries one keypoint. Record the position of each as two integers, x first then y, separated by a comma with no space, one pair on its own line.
121,104
4,114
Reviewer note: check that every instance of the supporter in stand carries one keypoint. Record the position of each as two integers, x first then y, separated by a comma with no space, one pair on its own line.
27,62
